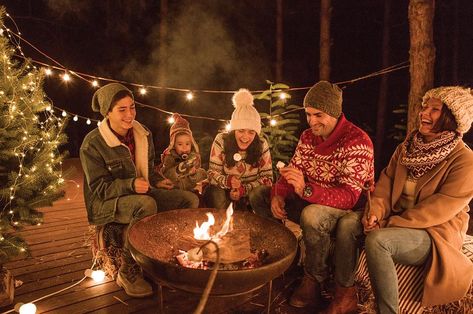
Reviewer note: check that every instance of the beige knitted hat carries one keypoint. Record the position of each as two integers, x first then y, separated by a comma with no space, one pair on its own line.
326,97
245,116
460,102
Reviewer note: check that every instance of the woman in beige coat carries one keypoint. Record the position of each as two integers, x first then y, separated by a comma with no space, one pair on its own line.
419,208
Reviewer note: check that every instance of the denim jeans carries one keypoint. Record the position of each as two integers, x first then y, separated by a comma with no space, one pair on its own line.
131,208
319,224
174,199
387,246
216,197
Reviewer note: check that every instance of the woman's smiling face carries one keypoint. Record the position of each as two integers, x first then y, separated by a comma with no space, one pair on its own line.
428,116
244,138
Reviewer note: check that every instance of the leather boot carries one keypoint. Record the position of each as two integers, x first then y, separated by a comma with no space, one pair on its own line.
308,293
130,277
345,301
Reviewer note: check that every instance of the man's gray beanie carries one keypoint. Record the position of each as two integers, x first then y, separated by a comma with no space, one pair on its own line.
102,99
326,97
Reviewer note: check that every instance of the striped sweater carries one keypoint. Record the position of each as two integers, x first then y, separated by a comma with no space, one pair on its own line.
250,176
336,168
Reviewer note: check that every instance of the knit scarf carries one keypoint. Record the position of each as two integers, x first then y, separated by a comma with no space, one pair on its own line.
420,157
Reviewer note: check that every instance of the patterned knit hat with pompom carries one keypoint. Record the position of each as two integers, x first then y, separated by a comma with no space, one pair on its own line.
460,102
180,126
245,115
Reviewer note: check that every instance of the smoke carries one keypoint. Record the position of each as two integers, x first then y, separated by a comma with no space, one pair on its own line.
204,50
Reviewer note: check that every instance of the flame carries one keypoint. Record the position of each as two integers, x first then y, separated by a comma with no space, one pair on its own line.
202,232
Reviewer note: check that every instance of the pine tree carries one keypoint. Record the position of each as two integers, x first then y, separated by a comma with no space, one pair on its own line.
282,123
30,162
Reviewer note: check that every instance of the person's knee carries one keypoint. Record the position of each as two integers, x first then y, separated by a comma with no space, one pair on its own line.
349,225
259,198
147,206
312,217
191,200
215,197
374,240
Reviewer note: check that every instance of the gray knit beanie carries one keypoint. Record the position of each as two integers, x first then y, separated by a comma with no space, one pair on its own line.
326,97
460,102
102,99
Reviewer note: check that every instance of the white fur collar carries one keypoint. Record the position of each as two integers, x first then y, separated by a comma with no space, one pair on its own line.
141,144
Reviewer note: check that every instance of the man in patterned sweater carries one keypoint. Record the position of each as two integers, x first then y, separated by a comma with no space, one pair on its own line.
320,189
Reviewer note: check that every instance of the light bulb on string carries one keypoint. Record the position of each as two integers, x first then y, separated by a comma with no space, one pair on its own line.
189,96
171,120
227,127
25,308
95,83
283,96
98,123
64,113
273,122
66,77
75,118
96,275
48,71
142,91
88,122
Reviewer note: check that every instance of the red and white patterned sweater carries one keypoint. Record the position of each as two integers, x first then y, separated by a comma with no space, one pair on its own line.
336,168
251,176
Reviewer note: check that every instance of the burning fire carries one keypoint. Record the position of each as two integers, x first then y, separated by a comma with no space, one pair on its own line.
202,232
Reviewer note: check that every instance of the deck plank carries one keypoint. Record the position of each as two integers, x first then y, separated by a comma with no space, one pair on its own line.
60,252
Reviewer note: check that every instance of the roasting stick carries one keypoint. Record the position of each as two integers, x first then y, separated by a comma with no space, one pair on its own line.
210,282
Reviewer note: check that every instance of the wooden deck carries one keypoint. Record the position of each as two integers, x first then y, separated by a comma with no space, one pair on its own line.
61,252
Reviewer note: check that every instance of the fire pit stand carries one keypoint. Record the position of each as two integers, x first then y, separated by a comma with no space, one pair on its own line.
154,242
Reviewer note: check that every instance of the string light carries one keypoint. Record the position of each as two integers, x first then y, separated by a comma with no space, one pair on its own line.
25,308
227,127
171,120
273,122
96,275
48,71
283,96
95,83
189,96
75,118
66,77
88,122
64,114
142,91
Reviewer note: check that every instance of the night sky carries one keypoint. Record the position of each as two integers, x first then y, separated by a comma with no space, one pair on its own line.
226,45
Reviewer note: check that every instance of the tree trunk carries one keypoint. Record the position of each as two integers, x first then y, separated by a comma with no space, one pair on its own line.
162,50
325,17
279,40
456,44
422,55
383,88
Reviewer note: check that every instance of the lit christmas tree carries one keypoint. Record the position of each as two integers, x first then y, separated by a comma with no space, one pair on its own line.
30,162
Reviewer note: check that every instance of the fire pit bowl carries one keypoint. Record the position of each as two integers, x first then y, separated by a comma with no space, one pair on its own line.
154,242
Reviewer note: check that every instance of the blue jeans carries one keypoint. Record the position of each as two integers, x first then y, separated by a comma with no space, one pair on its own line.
387,246
174,199
319,224
131,208
216,197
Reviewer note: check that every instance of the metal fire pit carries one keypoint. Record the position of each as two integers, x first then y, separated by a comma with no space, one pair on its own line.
154,244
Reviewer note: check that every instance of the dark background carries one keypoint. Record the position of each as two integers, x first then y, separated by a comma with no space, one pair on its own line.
225,45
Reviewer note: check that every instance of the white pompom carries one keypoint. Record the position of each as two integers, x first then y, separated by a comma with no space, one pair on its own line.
242,98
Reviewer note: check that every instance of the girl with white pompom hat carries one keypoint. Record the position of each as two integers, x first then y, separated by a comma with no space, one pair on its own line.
240,168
